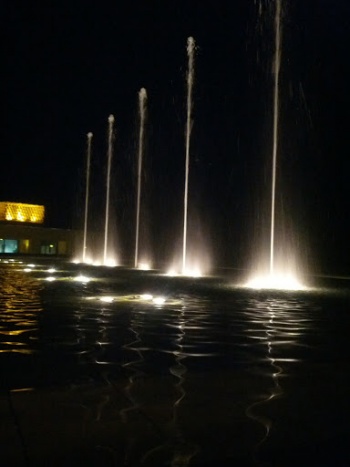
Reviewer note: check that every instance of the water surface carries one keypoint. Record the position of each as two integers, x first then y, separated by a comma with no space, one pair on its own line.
216,375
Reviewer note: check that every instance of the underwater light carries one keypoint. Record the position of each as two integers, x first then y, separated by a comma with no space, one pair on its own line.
146,296
278,281
172,273
27,269
106,299
195,272
50,278
83,279
144,266
51,270
187,272
89,261
158,300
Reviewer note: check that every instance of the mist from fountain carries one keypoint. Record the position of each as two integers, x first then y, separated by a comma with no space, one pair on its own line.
87,186
108,185
142,114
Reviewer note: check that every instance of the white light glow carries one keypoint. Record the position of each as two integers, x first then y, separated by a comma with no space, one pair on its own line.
50,278
27,269
111,263
158,300
172,273
192,272
51,270
277,281
106,299
137,299
188,272
83,279
146,296
144,266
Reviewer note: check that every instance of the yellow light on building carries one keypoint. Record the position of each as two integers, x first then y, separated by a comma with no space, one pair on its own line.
20,212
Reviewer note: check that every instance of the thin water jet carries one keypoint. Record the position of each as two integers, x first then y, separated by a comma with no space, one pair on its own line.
194,262
277,66
87,187
190,80
108,185
142,114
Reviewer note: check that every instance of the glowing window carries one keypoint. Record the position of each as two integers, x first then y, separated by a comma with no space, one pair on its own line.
8,246
24,246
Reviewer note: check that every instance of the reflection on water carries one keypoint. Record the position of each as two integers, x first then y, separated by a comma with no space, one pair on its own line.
134,380
276,327
176,450
19,308
211,376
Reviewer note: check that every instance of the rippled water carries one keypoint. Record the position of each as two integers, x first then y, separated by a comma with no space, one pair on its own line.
216,375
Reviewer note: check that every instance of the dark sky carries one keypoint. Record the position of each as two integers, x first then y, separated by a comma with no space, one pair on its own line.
67,65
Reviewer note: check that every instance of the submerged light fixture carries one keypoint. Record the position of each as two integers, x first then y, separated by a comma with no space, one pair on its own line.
275,281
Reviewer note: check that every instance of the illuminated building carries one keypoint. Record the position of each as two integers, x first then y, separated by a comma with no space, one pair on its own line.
20,212
22,232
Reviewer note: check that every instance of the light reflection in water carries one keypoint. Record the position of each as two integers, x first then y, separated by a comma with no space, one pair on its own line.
135,377
276,325
183,450
19,307
154,368
176,446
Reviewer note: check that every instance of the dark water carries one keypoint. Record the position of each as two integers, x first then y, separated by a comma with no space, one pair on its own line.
216,376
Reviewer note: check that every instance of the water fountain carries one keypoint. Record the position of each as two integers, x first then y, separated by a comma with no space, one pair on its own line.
277,65
190,79
276,279
142,113
87,186
108,185
194,262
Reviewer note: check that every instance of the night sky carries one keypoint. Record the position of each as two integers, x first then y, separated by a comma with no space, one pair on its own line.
67,65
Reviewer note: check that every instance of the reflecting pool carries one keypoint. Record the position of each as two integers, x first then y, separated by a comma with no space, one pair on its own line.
109,366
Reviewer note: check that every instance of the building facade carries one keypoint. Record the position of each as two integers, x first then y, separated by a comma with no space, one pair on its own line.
22,232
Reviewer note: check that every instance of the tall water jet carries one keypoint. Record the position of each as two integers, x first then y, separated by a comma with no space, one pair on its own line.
276,70
190,80
283,275
108,183
87,186
142,115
